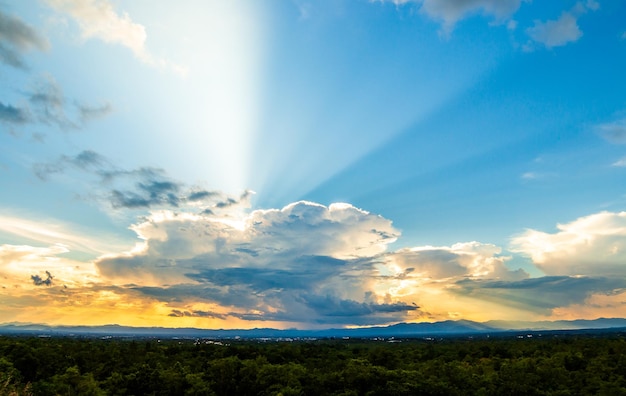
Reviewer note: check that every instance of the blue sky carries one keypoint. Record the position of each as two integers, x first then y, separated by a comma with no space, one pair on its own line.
296,163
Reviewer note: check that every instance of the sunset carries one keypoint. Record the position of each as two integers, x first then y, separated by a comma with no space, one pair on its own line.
311,164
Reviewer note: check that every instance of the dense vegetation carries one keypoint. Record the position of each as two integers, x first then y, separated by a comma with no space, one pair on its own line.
506,366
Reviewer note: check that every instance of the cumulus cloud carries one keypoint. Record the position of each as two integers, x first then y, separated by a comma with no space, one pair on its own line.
449,12
305,263
593,245
563,30
315,265
98,19
470,259
17,37
267,265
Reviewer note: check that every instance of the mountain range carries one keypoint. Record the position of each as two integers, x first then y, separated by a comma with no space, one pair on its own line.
400,330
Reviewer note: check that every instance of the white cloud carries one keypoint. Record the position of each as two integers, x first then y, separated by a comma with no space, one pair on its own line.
452,11
469,259
313,265
594,245
305,262
556,33
449,12
561,31
98,19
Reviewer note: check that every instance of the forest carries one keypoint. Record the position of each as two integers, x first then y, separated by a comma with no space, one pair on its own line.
548,365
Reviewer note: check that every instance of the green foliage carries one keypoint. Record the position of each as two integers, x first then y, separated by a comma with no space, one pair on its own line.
539,366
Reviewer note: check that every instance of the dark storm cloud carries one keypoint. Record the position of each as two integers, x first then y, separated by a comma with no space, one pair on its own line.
17,37
306,273
541,294
331,306
331,310
235,295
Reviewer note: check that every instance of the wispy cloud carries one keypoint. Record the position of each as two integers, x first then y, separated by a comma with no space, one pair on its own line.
99,19
561,31
614,132
17,37
620,163
46,104
49,231
14,115
141,188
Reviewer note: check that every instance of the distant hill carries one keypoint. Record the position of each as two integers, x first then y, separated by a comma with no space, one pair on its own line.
401,330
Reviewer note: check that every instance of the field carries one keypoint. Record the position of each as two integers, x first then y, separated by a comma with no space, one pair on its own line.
508,365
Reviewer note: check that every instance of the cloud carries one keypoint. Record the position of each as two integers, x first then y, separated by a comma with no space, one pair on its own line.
452,11
614,132
542,294
461,260
98,19
141,188
449,12
16,37
85,160
39,281
313,265
594,245
46,104
620,163
19,262
49,103
88,113
199,314
48,231
561,31
267,265
13,115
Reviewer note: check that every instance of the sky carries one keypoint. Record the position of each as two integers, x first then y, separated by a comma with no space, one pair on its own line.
311,164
